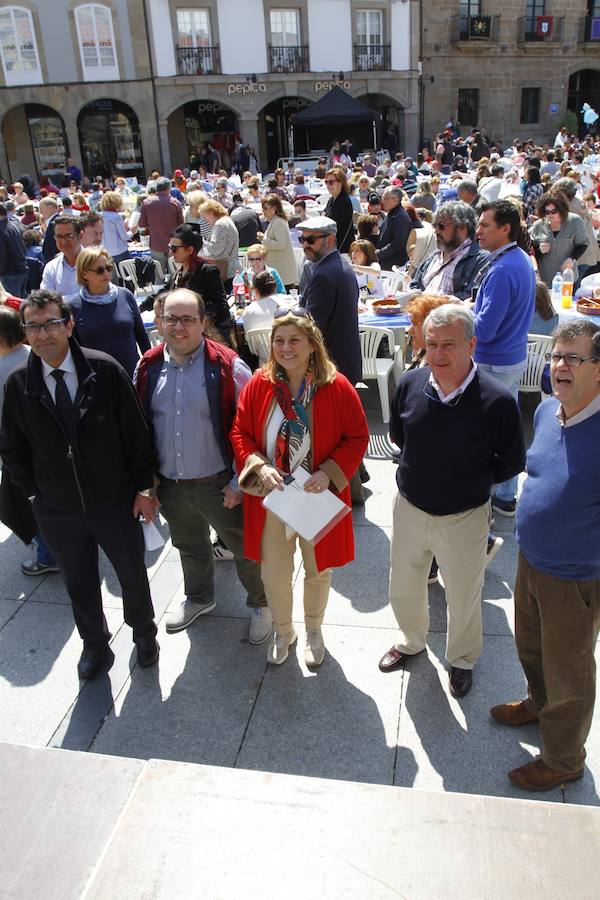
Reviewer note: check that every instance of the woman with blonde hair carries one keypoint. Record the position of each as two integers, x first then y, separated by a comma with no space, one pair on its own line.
115,236
277,242
106,317
297,411
223,245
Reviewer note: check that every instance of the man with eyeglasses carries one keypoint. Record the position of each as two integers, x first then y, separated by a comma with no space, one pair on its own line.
453,268
60,274
189,387
458,430
557,591
75,440
395,230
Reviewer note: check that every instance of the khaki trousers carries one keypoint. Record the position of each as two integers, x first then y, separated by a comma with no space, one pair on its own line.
556,626
459,544
277,569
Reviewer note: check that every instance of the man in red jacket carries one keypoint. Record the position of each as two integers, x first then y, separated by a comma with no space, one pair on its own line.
189,388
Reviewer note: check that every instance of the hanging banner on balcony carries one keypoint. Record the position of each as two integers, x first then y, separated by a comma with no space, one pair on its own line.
595,30
480,26
544,26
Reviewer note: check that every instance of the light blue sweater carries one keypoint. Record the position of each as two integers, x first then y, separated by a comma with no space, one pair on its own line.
558,515
503,310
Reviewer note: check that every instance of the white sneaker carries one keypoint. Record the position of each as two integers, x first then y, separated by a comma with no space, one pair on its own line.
314,651
279,647
221,553
261,624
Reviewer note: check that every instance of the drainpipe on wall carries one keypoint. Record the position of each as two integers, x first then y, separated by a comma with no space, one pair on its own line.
152,82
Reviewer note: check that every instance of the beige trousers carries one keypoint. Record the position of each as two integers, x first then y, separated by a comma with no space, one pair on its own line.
277,569
459,544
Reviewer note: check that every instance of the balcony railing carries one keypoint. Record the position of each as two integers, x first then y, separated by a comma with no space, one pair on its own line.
589,30
474,28
540,29
372,57
198,61
288,59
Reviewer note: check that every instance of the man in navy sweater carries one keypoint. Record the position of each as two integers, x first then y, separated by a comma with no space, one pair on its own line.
503,311
459,431
557,592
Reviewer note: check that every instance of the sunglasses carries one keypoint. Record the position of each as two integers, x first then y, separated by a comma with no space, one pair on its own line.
550,212
174,247
63,237
255,259
102,269
310,239
331,181
295,311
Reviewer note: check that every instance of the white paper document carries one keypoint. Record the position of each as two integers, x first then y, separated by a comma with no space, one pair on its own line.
310,515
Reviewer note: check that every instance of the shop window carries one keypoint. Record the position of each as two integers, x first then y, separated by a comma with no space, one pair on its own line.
468,106
96,42
18,44
530,106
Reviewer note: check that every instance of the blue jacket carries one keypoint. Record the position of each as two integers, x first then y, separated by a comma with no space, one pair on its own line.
503,310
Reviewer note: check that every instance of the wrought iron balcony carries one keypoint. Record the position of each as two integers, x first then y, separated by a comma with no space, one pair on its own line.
589,30
198,61
474,28
540,29
288,59
372,57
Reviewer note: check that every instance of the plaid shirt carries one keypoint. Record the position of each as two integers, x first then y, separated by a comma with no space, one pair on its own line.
160,215
439,276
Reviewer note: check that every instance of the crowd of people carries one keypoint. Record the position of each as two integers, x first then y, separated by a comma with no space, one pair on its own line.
101,427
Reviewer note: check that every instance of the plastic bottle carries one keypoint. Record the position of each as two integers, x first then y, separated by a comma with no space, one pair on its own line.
557,283
238,288
567,287
247,294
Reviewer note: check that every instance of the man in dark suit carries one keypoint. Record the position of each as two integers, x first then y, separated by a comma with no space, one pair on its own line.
49,210
394,232
331,296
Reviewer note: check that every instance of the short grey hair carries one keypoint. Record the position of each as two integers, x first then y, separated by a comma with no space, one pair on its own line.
467,185
395,191
576,328
566,186
162,184
449,314
459,213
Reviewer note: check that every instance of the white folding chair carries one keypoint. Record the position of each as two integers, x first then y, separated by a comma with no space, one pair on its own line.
390,281
129,275
376,368
259,342
159,275
537,346
153,336
172,265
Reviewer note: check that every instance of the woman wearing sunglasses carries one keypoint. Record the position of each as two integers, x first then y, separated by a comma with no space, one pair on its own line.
339,207
276,241
106,317
558,237
297,411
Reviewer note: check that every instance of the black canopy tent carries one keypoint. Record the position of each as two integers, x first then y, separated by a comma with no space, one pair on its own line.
335,106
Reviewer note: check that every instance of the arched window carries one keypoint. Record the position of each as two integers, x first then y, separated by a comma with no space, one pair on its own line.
96,42
18,47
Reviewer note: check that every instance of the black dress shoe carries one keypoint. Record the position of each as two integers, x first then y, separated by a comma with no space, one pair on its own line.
92,660
461,681
147,651
394,659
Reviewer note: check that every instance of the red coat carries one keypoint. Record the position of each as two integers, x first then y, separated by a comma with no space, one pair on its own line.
339,436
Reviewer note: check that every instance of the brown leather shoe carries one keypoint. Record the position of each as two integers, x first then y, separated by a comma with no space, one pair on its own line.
392,660
537,776
515,713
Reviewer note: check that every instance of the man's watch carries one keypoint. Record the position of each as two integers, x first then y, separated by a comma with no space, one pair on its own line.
147,493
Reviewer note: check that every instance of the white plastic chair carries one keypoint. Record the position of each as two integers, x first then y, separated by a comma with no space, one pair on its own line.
379,368
159,275
390,281
172,265
129,275
537,346
153,336
259,342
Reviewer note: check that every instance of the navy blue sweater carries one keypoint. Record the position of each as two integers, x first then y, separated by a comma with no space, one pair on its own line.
558,516
453,454
116,328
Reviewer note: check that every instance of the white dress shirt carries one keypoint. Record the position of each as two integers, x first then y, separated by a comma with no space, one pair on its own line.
71,380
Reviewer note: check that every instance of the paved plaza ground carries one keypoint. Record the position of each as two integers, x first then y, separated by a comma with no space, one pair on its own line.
213,699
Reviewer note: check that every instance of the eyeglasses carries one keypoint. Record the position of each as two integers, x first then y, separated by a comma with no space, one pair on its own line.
49,327
310,238
255,259
64,237
440,226
550,212
571,359
295,311
174,247
102,269
331,181
186,321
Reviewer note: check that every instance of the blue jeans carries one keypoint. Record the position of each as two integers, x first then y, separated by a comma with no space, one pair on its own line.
14,284
510,376
42,553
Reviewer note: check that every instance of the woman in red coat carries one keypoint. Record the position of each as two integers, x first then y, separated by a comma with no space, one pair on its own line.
297,411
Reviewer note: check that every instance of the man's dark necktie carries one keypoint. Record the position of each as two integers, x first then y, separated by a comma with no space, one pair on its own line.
62,399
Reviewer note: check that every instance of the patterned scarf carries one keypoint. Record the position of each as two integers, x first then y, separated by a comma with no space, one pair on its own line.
100,299
292,446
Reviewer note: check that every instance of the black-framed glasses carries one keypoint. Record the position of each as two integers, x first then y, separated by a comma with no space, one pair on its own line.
550,212
441,226
102,269
573,360
50,327
295,311
331,181
310,238
64,237
186,321
252,259
174,247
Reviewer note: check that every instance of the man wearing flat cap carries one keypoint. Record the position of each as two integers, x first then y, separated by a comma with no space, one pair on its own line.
331,296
